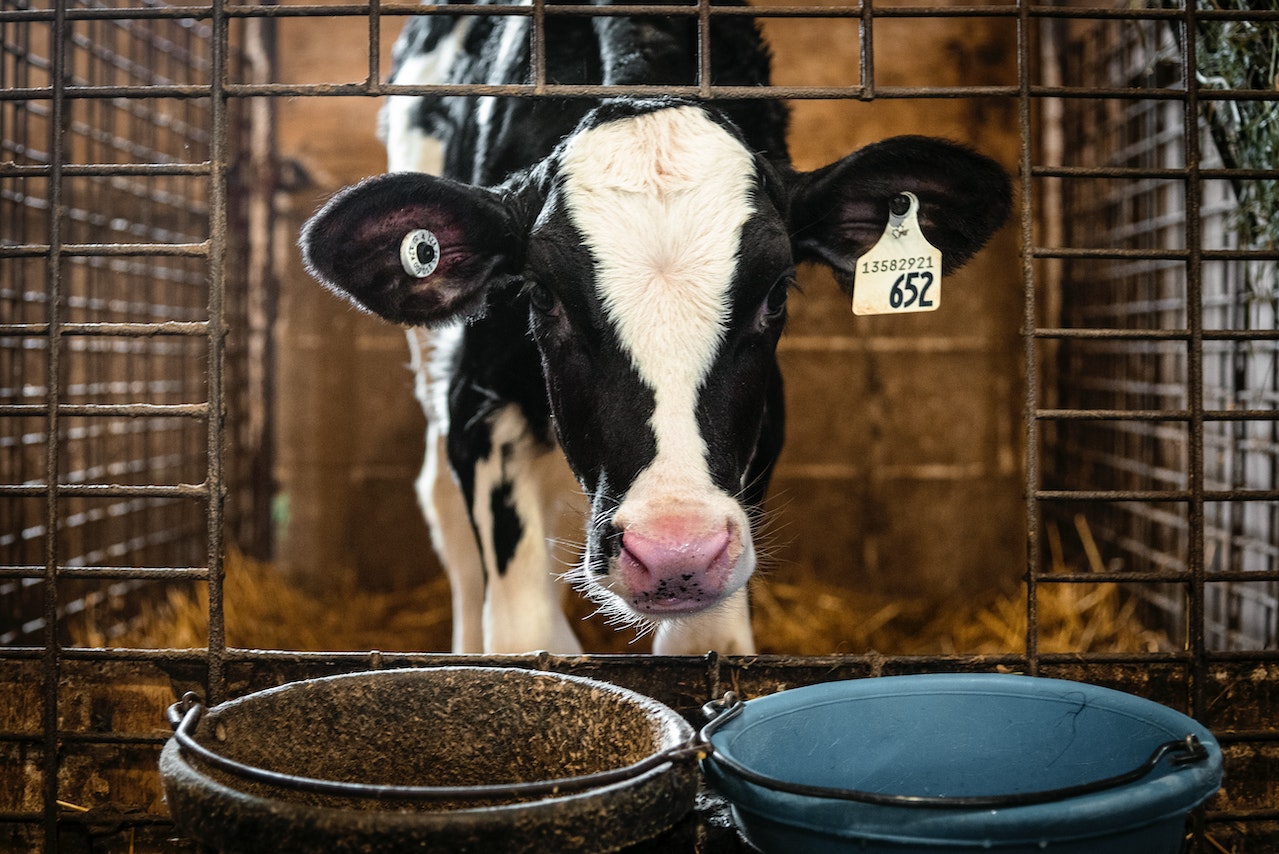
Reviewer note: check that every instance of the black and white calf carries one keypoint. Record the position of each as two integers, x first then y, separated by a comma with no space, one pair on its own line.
603,285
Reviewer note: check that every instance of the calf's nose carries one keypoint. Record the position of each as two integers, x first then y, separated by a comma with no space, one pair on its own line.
673,569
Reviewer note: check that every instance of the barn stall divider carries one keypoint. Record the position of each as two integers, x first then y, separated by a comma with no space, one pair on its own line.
188,426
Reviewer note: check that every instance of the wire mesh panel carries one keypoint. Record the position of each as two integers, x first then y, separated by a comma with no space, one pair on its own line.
1141,209
139,244
106,294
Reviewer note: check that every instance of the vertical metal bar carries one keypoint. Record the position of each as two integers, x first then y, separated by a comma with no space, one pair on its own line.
375,43
704,48
538,46
218,176
1194,361
868,51
1195,599
59,38
1029,322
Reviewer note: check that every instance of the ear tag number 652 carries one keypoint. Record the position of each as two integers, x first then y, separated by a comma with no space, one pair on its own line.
902,271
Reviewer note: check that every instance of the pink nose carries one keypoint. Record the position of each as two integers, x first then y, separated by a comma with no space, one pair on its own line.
675,570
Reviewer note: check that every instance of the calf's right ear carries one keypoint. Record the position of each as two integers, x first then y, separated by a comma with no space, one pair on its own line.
355,245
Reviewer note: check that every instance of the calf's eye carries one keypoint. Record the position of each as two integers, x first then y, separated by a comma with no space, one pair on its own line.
775,302
541,298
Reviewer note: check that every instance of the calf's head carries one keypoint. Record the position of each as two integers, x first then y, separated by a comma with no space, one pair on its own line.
653,253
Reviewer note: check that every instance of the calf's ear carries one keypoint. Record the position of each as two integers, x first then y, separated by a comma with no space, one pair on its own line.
355,245
840,211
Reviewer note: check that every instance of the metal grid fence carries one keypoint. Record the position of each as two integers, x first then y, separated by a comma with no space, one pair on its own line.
1139,210
129,224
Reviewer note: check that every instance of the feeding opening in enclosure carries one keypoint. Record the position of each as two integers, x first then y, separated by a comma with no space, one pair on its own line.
207,462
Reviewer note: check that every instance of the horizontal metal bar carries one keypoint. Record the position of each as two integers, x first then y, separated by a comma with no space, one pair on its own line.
1153,577
125,330
1154,254
1149,13
108,250
357,10
1154,495
636,10
132,13
1158,334
113,573
95,170
376,659
1136,172
1109,254
106,490
36,93
127,410
1151,94
1155,415
372,89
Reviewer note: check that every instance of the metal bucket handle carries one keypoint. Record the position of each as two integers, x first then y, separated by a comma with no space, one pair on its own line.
184,716
1185,751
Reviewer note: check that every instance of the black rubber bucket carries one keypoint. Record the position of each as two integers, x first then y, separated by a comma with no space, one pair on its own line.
451,758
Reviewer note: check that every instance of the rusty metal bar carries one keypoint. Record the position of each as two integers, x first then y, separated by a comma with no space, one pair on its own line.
365,89
1114,334
1155,415
58,120
105,490
179,410
130,330
107,250
538,46
703,48
103,170
1136,13
1181,577
218,154
866,34
1140,172
1030,313
1194,370
123,573
375,42
1183,255
1157,495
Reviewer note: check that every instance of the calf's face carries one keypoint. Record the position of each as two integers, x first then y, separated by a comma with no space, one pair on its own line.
653,253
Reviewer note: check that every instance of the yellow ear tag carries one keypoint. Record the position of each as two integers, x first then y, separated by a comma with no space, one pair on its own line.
902,271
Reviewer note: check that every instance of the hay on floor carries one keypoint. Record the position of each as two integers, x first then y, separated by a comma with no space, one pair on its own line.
794,613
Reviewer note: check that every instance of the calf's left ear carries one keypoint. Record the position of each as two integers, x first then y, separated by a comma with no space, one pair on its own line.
466,243
840,211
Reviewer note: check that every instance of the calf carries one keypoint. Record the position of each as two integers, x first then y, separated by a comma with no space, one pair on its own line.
594,292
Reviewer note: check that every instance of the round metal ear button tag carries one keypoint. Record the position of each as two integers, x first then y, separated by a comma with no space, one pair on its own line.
419,253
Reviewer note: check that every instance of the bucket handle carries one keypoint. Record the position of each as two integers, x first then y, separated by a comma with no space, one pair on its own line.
1184,751
184,715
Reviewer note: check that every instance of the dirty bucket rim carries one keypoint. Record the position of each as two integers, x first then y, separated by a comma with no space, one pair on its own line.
674,734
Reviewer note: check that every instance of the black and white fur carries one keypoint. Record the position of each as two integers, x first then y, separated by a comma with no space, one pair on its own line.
599,337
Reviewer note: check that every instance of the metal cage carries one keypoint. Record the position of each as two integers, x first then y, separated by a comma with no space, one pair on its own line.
138,265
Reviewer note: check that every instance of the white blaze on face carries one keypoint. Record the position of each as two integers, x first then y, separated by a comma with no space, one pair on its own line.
661,200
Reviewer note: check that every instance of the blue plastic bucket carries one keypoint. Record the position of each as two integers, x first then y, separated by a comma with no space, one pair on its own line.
962,762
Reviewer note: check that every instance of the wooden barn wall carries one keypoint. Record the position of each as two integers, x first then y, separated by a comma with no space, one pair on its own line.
902,472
